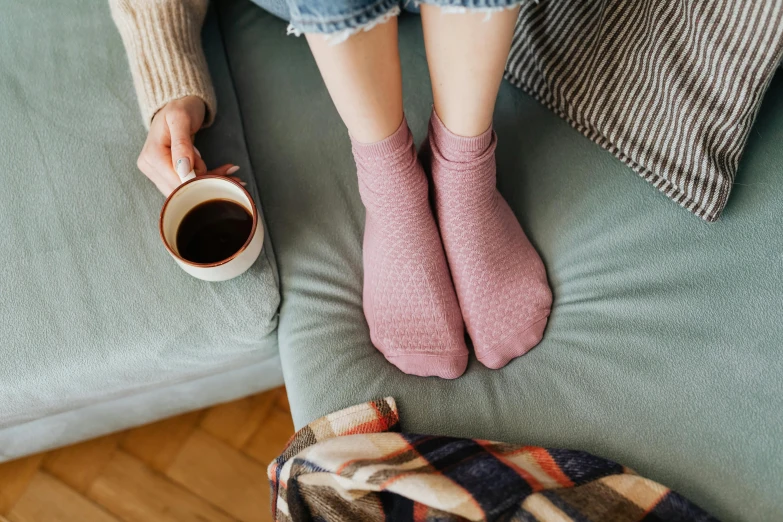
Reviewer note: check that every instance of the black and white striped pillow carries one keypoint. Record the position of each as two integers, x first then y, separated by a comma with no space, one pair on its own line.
670,87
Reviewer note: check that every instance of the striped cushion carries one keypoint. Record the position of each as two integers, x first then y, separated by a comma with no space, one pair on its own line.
669,87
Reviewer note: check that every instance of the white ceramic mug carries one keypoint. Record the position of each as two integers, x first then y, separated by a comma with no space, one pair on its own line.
194,192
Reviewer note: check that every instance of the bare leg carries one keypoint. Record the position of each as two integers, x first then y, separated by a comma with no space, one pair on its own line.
499,278
466,55
363,77
409,301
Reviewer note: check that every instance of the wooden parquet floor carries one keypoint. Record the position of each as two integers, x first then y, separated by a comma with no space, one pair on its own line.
203,466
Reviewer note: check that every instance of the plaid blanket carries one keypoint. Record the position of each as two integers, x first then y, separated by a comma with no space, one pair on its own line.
355,465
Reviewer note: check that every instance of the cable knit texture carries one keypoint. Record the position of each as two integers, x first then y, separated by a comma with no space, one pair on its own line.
409,300
499,278
163,42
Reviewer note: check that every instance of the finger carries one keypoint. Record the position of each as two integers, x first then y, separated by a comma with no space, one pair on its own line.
239,180
166,187
158,160
224,170
201,167
165,184
182,154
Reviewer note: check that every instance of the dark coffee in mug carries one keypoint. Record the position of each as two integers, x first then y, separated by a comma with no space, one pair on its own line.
213,231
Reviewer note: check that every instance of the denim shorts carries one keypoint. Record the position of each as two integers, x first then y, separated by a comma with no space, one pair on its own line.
341,18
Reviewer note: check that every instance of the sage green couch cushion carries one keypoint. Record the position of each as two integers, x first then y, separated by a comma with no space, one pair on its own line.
92,308
663,349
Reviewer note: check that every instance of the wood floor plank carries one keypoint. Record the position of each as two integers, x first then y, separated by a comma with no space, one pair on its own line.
205,455
159,443
135,493
14,479
49,500
271,437
235,422
283,401
78,465
219,473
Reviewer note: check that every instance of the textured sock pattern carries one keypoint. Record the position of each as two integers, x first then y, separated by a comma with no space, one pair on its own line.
499,278
409,299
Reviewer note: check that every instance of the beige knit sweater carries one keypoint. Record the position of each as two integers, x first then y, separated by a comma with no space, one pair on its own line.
163,42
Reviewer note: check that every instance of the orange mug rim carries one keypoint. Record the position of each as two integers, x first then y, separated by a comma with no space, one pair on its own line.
235,254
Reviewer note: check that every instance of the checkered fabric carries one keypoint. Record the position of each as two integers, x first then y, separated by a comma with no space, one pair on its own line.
355,465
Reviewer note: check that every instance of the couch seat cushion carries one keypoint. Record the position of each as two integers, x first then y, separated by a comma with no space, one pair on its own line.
663,349
92,308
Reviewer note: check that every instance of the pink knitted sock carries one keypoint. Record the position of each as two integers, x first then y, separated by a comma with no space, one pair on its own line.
499,277
409,300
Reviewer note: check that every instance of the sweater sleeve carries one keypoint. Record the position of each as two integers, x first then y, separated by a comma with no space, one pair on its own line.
163,42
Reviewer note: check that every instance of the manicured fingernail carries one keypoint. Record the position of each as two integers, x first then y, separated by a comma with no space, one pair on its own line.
232,169
197,152
243,183
182,167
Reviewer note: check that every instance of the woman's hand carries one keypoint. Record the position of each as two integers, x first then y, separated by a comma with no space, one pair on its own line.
168,152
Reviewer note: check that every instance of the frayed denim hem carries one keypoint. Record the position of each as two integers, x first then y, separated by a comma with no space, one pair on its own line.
470,6
336,29
454,7
342,35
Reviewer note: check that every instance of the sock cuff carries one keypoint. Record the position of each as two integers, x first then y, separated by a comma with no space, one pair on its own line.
454,142
401,138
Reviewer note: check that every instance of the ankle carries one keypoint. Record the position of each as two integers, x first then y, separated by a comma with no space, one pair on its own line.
392,144
456,148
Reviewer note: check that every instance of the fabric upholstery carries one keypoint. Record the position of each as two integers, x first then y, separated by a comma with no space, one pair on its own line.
670,88
92,308
663,348
100,417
